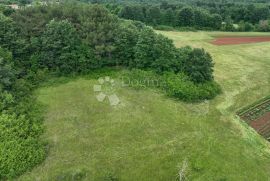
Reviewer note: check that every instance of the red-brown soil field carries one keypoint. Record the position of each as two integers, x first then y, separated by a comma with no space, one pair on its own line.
239,40
262,125
258,117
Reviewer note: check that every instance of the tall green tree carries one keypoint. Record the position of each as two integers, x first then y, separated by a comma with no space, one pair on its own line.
60,47
125,43
153,15
134,12
7,72
199,66
186,17
216,21
154,52
202,18
99,29
7,32
169,17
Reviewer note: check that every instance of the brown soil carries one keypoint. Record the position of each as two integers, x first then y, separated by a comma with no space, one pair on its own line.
262,125
260,122
239,40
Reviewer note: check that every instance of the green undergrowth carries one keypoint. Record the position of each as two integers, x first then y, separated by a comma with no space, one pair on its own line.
178,86
21,146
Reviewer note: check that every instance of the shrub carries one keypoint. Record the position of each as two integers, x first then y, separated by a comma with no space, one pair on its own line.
20,148
175,85
6,100
198,66
181,87
263,26
245,26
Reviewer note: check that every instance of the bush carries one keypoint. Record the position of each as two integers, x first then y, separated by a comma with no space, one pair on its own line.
245,26
175,85
198,66
181,87
20,148
6,100
263,26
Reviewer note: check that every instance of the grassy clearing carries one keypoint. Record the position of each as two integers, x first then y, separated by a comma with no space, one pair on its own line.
149,136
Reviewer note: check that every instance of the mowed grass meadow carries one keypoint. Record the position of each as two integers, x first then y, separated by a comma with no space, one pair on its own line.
151,137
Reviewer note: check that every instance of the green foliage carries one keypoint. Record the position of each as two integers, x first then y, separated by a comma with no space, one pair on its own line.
144,53
99,29
6,100
153,15
198,66
125,43
186,17
263,26
163,15
7,72
7,32
19,147
216,21
154,52
181,87
132,13
169,17
198,14
175,85
60,48
245,26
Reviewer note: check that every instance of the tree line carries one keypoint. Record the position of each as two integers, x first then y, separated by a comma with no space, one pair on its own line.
199,15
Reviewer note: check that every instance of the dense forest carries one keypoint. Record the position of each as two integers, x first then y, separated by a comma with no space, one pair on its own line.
189,15
200,15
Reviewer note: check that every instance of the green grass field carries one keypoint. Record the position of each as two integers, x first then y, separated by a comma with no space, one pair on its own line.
150,137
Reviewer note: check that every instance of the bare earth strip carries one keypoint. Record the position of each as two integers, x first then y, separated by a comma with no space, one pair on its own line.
262,125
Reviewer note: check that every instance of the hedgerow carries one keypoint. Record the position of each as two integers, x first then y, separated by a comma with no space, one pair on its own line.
174,85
